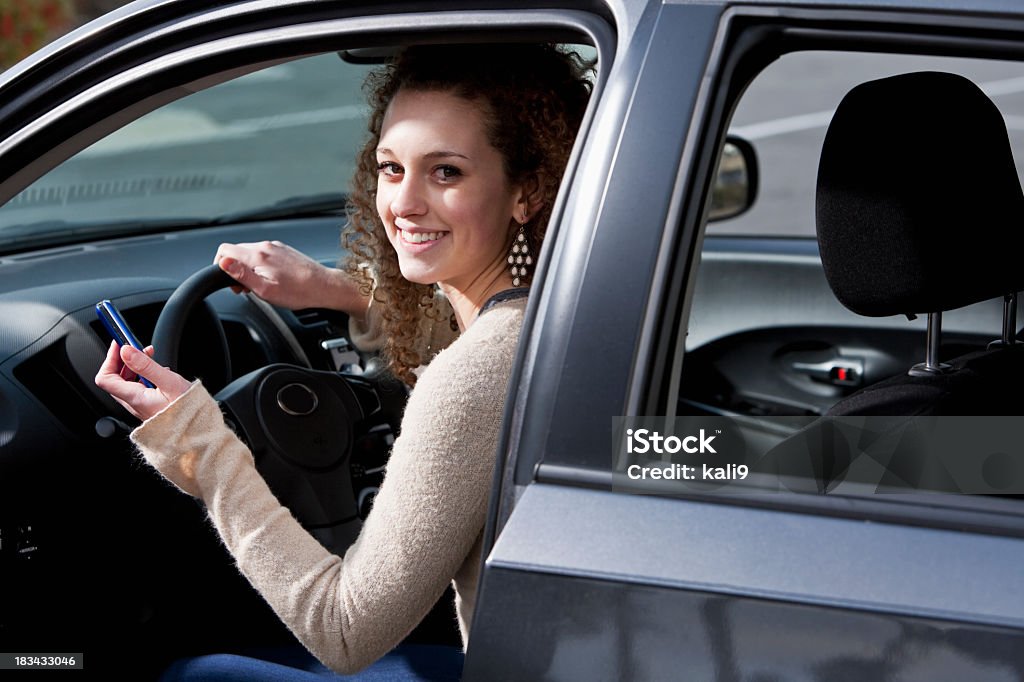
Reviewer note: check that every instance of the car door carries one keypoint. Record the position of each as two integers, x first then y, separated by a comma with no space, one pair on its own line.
594,575
78,573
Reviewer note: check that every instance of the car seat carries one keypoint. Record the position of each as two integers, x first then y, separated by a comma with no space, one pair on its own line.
919,210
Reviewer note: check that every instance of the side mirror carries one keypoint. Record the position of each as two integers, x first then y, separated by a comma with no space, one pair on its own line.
735,185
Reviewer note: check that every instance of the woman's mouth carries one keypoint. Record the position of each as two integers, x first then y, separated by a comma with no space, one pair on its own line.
409,237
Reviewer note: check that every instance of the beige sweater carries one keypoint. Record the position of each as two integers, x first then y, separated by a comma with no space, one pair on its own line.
427,521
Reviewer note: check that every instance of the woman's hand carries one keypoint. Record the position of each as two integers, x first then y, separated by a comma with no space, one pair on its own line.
119,373
279,274
275,272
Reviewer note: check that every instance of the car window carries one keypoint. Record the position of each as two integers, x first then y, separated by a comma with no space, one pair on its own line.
787,108
276,142
245,145
769,350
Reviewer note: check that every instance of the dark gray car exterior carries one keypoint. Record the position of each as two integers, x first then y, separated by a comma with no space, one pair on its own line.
645,588
583,582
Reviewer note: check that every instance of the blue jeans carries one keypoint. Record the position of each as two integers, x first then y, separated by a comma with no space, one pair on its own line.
408,662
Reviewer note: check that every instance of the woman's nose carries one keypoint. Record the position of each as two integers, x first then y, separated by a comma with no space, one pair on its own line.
408,198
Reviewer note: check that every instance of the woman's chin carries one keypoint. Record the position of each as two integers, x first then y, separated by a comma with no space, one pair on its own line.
418,275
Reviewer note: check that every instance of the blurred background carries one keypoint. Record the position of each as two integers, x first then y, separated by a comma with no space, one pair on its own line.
292,108
27,25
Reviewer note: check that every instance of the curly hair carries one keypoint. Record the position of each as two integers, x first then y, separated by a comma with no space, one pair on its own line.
533,97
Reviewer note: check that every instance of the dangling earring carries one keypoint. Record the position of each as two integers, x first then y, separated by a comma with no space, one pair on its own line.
520,258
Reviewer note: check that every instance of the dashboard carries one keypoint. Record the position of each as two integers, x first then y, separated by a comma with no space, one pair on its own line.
51,342
91,539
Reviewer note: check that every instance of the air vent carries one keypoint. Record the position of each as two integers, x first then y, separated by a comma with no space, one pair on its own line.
62,195
325,319
49,376
317,326
310,317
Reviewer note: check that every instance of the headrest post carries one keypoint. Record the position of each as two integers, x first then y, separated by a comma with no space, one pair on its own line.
1009,336
931,358
1010,319
931,364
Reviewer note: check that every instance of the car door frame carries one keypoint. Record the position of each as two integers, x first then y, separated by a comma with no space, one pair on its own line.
103,76
111,72
621,583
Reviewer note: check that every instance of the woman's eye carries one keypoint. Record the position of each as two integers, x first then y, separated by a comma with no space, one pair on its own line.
389,168
447,172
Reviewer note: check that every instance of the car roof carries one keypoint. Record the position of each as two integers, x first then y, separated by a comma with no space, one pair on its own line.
156,12
145,16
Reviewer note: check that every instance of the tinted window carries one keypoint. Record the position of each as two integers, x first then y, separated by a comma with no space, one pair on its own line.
787,108
768,347
286,133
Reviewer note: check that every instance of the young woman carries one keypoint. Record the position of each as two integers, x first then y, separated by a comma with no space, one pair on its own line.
452,195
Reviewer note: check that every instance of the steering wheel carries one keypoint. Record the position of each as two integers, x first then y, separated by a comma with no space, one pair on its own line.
299,423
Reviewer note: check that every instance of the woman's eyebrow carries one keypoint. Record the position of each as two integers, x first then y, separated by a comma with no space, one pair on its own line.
441,153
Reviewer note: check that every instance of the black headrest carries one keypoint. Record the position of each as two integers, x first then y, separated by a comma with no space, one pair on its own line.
919,208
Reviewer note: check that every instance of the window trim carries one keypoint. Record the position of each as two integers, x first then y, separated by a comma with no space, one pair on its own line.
749,39
72,125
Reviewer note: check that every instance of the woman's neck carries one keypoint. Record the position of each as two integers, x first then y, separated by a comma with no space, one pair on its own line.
467,301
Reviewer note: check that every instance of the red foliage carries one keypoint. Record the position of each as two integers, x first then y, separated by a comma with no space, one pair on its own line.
27,25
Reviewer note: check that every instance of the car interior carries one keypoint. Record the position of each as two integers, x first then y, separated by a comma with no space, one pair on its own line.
134,215
817,324
903,305
889,248
97,551
886,248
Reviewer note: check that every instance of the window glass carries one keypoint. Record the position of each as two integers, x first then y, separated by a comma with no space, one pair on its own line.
787,109
286,133
276,141
770,356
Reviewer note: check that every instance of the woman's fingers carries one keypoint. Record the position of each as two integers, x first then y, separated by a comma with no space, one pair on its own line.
275,272
111,363
237,272
143,365
127,374
149,350
238,261
111,380
124,362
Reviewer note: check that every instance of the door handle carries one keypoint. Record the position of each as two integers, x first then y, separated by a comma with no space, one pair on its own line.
838,371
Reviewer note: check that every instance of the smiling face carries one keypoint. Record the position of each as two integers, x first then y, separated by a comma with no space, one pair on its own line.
447,206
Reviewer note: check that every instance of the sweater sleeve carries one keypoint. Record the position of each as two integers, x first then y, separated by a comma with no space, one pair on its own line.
428,514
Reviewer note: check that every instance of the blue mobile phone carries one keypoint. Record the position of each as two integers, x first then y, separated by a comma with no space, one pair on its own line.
111,318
